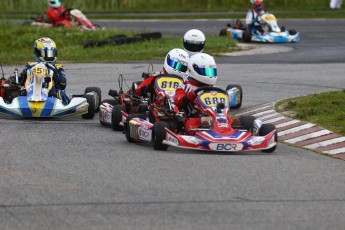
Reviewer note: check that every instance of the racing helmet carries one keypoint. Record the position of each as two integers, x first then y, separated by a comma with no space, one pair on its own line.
194,41
202,68
54,3
176,62
258,5
45,50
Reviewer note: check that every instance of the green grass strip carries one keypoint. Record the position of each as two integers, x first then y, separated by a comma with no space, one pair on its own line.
325,109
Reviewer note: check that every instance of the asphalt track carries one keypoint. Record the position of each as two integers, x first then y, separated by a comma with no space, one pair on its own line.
76,174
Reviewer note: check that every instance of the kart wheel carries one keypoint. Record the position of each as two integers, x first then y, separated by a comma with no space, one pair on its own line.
116,117
158,135
127,128
92,107
247,122
240,95
99,93
222,32
292,32
247,36
110,101
266,129
282,29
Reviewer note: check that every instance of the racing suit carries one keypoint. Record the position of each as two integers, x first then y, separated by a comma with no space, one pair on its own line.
58,16
147,85
59,80
254,21
185,99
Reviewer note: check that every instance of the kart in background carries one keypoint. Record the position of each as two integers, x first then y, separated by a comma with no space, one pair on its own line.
271,33
215,134
77,20
33,101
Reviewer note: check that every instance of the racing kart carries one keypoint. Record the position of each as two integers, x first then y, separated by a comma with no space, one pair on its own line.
77,20
215,133
33,100
138,127
271,32
110,113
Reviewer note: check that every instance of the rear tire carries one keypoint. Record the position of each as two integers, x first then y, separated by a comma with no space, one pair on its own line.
99,93
91,110
247,36
240,95
292,32
222,32
266,129
127,128
158,135
247,122
116,117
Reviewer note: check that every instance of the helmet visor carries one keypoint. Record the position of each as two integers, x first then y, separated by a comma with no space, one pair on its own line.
193,47
54,2
48,54
208,72
176,64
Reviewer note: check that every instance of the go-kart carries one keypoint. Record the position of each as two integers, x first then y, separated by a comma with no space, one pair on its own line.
271,32
110,113
215,134
77,19
33,101
138,127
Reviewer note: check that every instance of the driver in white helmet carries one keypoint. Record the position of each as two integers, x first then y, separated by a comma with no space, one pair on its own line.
175,62
202,72
194,41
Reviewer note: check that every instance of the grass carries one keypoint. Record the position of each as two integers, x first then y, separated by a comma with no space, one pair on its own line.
16,45
325,109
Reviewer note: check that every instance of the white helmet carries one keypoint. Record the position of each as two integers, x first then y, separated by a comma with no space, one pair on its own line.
194,41
54,3
203,69
176,62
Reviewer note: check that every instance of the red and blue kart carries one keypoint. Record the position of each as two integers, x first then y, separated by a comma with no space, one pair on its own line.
216,133
33,100
271,32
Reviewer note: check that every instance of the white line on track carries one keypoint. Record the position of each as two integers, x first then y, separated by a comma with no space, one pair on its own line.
308,136
296,129
325,143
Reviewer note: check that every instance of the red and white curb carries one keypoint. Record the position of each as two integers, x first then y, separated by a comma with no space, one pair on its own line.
300,133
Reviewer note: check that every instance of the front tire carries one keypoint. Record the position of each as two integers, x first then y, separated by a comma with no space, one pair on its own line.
158,135
91,110
240,95
116,117
99,93
247,36
266,129
127,128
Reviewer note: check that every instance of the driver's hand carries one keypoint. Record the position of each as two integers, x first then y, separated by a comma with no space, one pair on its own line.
191,95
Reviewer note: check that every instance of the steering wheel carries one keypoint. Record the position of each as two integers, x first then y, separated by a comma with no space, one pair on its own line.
210,88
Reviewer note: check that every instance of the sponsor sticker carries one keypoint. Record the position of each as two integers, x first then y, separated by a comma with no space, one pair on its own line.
144,134
226,146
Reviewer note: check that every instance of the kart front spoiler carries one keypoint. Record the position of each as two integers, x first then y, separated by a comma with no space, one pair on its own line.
52,107
239,140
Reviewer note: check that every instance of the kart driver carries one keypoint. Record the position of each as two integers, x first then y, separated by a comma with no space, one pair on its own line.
175,62
253,18
57,14
194,41
45,52
202,72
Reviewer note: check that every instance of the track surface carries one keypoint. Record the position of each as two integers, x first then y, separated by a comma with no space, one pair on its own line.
76,174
